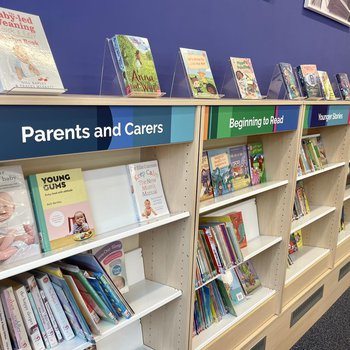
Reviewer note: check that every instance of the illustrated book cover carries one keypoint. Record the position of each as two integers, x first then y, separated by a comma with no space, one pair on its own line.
206,186
232,286
310,81
326,86
248,277
343,85
256,163
289,80
239,166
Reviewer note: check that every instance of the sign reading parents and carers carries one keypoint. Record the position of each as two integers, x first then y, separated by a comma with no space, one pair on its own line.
36,131
229,121
326,115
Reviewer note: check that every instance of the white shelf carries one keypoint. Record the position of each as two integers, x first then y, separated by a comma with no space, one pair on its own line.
74,344
243,309
230,198
327,167
79,247
304,258
316,213
347,193
254,247
144,297
344,235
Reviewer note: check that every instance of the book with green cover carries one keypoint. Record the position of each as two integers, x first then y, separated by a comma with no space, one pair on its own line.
256,163
199,74
229,283
136,65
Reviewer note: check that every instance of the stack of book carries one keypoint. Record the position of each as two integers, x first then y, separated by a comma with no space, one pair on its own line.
301,204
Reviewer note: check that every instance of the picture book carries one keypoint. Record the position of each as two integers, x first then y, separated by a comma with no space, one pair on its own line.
232,286
136,65
206,186
326,86
298,238
256,163
292,246
343,85
147,189
26,60
289,80
239,167
17,224
245,78
248,277
310,81
112,259
220,171
238,225
61,208
199,75
5,341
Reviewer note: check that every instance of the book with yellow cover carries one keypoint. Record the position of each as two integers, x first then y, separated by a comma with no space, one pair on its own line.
61,208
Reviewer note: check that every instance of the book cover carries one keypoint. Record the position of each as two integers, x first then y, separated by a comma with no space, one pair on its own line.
136,64
147,189
321,150
199,74
245,78
206,186
61,207
310,81
298,238
292,246
18,234
239,167
232,286
248,277
326,85
220,171
289,80
26,60
343,85
256,163
112,259
5,341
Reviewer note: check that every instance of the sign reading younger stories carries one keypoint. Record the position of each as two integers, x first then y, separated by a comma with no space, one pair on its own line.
229,121
326,115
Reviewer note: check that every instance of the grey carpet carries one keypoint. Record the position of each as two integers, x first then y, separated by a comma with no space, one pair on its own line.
331,331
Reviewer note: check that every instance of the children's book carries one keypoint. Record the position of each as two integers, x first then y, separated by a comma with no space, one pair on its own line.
239,167
292,246
147,189
136,65
231,284
326,86
199,74
112,259
245,78
310,81
256,163
298,238
289,80
220,171
248,277
343,85
17,223
206,186
5,341
26,60
61,208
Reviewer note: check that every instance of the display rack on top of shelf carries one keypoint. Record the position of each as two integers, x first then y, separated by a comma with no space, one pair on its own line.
277,126
50,133
324,190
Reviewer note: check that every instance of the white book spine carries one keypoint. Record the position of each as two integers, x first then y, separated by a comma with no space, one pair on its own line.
14,319
4,333
42,312
57,310
52,317
29,320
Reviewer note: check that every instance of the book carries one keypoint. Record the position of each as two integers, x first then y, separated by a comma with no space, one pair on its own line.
112,259
298,238
199,75
245,78
136,65
292,246
343,85
5,341
61,208
206,191
239,167
326,86
310,81
17,224
147,189
233,288
248,277
220,171
289,80
26,59
256,163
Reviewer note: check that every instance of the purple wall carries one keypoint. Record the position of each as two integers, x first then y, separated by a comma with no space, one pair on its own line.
267,31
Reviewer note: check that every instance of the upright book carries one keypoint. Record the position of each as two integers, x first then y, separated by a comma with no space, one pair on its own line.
245,78
199,74
326,86
239,166
206,185
136,65
18,234
289,80
248,277
26,61
310,81
256,163
61,208
343,85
